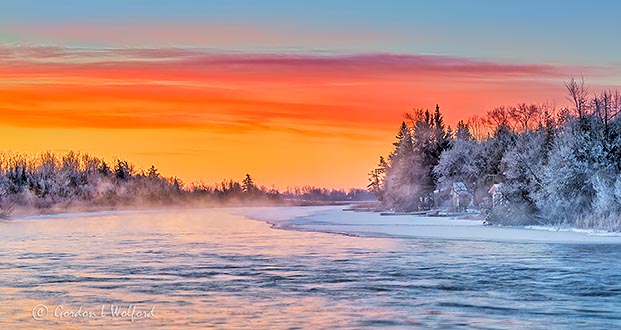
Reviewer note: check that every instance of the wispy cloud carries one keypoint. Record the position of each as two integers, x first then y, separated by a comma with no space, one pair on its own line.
241,92
200,61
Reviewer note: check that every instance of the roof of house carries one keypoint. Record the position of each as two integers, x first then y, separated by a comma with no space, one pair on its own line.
495,188
459,188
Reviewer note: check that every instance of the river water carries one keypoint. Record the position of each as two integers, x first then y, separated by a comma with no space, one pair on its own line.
201,269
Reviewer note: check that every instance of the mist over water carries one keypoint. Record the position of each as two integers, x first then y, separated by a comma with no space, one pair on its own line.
211,269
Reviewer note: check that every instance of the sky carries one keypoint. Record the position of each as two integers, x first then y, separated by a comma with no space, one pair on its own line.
295,93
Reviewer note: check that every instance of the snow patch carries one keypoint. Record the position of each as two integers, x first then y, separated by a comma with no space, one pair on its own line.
333,219
591,232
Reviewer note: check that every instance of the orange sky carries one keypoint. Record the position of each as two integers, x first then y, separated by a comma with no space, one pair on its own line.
288,119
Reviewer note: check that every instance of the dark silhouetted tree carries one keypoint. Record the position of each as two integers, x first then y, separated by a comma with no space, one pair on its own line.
248,185
152,172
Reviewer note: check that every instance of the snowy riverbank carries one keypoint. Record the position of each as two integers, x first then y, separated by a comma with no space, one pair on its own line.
333,219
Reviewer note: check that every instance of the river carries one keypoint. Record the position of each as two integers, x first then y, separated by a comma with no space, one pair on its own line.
211,268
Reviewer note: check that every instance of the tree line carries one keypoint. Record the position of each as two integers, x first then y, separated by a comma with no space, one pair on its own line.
552,166
50,182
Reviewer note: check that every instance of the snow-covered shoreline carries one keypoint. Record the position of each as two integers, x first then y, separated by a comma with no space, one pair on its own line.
333,219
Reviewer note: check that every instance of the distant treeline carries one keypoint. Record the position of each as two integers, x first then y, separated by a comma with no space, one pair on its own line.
51,182
311,193
230,189
551,166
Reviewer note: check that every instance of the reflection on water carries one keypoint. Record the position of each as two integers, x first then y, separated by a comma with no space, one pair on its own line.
209,269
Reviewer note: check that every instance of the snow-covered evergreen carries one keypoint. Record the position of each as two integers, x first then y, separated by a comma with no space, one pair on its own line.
409,179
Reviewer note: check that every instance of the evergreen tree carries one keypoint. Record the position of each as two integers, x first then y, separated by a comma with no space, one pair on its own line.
401,186
463,132
248,184
152,173
376,179
404,131
409,180
430,140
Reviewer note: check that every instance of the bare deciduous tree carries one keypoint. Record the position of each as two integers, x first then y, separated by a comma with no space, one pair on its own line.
606,107
497,117
578,95
476,124
524,115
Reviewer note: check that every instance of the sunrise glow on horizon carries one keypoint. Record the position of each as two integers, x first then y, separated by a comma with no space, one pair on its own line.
291,94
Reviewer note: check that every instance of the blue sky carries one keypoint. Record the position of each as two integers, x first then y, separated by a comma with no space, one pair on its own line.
565,32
